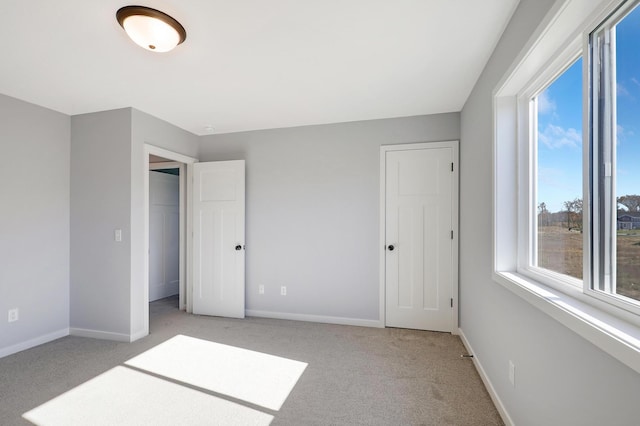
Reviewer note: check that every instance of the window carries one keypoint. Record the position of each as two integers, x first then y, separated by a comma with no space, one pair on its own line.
584,190
567,173
615,152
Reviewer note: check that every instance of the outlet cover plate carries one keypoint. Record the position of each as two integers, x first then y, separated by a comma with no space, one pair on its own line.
13,315
512,373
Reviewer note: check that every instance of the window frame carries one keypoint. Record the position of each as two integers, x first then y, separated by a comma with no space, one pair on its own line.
558,40
527,120
596,225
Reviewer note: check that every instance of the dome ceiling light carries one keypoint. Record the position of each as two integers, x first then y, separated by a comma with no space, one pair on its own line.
151,29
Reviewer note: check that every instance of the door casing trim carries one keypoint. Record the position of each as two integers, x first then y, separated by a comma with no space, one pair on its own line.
185,225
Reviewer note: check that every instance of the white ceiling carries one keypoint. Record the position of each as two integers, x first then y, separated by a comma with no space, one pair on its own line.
253,64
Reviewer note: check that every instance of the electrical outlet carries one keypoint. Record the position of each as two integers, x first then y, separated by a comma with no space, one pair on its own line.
283,290
512,373
13,315
261,289
117,235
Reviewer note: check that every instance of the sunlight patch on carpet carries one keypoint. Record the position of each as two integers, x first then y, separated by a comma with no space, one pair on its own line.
123,396
254,377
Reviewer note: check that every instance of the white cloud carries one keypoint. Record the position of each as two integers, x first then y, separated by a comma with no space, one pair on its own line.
621,90
546,105
555,137
623,133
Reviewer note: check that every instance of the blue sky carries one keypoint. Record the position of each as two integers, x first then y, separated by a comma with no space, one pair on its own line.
560,124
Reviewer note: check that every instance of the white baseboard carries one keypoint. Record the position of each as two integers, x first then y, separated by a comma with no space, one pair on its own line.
315,318
33,342
97,334
487,382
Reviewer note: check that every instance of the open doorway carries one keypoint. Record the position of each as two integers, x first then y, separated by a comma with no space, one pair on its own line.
174,241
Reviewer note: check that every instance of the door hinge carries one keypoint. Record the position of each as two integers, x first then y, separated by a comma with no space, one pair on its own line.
451,166
452,234
452,302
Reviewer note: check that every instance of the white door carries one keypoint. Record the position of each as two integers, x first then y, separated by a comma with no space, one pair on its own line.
419,255
218,238
164,235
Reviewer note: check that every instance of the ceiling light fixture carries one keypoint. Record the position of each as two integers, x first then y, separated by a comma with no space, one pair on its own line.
151,29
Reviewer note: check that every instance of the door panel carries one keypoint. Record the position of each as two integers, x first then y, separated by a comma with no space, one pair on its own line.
418,212
218,237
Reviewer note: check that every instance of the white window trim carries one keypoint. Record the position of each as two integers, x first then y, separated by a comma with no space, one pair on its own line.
558,37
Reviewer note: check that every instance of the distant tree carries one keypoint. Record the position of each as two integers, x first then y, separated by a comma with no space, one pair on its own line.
567,208
577,206
574,213
631,202
543,215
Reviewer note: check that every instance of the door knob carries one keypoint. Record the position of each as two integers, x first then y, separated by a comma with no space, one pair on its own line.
238,247
391,247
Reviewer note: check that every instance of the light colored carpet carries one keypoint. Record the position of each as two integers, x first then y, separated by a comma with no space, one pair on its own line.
354,376
122,396
250,376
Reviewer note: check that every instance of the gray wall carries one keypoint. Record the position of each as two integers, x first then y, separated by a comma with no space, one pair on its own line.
101,203
34,230
560,377
313,210
107,193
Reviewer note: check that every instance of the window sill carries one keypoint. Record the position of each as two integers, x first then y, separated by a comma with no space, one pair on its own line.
613,335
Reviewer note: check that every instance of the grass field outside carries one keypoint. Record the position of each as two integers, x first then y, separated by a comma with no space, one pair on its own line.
560,250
